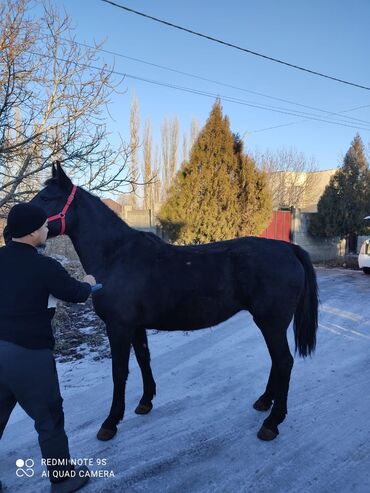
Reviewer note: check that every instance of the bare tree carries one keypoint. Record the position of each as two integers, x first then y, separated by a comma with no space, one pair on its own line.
157,183
187,142
52,100
185,147
124,199
291,177
134,145
174,144
147,166
170,144
165,134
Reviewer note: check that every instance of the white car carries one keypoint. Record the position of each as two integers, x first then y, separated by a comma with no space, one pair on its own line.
364,257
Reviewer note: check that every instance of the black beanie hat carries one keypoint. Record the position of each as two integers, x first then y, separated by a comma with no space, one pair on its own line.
25,218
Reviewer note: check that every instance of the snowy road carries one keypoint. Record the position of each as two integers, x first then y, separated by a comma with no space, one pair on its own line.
201,434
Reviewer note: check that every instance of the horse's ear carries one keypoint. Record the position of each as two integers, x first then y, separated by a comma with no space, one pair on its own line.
53,170
63,179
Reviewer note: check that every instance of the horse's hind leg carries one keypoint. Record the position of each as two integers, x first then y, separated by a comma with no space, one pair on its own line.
264,402
141,348
282,364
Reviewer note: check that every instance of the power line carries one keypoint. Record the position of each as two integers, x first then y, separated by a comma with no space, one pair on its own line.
163,67
305,119
204,93
276,126
327,113
216,40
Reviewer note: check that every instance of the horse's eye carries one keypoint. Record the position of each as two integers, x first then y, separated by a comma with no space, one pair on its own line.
44,199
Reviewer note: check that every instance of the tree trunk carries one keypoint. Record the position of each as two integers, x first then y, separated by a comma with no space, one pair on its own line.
352,243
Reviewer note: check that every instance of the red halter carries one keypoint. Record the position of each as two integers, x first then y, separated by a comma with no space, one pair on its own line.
62,215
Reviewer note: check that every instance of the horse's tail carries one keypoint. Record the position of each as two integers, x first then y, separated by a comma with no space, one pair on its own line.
306,314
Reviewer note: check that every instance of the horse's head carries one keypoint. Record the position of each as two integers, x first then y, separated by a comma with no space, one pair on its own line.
56,199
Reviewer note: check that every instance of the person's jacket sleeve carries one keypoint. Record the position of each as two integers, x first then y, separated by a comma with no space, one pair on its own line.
63,286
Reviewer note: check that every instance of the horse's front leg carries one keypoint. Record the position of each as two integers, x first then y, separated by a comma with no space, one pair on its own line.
120,343
141,348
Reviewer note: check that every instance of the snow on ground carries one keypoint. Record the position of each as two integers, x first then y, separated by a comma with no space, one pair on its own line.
201,434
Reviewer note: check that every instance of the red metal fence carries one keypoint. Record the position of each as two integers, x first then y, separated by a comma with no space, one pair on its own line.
280,227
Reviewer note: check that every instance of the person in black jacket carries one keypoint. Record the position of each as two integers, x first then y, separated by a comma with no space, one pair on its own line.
29,282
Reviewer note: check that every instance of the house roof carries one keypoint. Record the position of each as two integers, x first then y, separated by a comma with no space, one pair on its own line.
112,204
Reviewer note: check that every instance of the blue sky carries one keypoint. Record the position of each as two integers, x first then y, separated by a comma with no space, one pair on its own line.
328,36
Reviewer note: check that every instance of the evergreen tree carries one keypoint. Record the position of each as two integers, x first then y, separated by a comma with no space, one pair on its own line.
254,197
346,200
218,194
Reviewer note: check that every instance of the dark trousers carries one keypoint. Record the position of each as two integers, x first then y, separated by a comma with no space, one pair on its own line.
29,377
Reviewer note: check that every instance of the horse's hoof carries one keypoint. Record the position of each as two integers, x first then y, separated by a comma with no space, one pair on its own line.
261,405
144,408
266,434
104,434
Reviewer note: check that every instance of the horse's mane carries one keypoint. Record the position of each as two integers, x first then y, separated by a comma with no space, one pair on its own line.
152,237
55,181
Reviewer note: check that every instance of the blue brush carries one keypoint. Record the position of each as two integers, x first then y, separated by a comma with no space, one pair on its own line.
96,287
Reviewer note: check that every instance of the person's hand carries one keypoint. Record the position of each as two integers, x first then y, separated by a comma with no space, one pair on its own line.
90,279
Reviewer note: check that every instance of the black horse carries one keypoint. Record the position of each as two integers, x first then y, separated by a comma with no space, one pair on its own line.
148,283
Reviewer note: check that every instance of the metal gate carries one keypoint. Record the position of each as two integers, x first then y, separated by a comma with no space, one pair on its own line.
280,227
